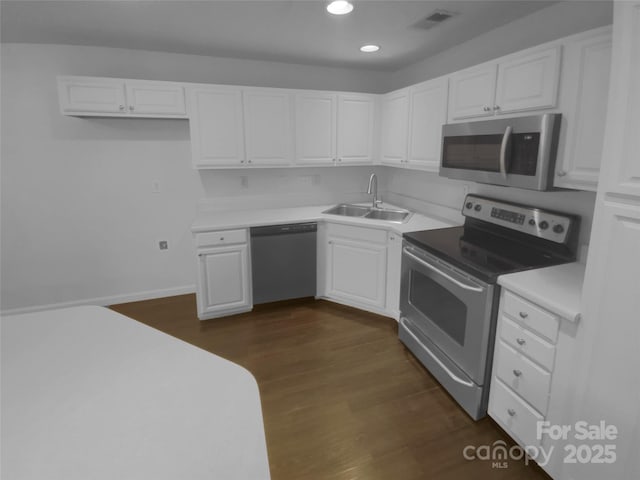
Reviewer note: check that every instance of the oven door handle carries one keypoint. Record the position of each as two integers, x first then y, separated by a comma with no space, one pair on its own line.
404,321
503,151
440,272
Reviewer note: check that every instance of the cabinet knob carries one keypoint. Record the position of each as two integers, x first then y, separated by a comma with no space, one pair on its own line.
249,161
496,107
524,314
329,242
131,108
517,373
486,109
561,173
221,239
339,159
241,161
334,159
392,238
121,107
511,412
520,341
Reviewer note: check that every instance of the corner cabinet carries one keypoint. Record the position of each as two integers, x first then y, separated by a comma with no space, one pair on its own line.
113,97
334,129
224,285
524,81
353,266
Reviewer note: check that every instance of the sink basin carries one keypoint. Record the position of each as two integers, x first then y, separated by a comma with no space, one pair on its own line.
399,216
386,214
348,210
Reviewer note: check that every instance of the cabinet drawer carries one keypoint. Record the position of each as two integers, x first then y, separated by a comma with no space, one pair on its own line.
518,418
222,237
523,376
372,235
537,319
524,341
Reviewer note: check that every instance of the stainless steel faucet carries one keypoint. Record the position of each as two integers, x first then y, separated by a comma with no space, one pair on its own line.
373,190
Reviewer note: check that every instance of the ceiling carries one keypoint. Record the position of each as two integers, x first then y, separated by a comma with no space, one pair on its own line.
299,31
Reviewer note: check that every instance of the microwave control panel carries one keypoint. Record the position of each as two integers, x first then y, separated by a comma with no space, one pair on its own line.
545,224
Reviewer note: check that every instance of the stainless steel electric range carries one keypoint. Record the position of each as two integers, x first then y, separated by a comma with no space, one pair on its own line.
449,292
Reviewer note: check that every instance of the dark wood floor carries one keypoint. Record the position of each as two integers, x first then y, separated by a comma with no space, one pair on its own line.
341,397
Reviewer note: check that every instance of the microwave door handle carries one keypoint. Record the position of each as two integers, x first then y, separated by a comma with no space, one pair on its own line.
440,272
503,151
453,376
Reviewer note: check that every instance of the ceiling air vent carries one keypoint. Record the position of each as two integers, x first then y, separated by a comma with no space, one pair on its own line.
435,18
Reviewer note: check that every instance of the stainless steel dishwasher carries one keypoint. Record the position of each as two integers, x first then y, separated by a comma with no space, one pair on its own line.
283,262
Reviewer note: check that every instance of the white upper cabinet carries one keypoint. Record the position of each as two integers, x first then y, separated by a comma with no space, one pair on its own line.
155,99
428,112
334,128
395,127
355,128
524,81
583,98
268,127
113,97
315,128
216,126
529,82
472,92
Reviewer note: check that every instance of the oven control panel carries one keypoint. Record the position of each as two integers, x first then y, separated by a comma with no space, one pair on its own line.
545,224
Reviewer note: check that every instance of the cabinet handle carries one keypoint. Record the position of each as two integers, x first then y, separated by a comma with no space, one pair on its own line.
121,107
517,373
496,107
511,412
222,239
520,341
561,173
486,109
524,314
392,238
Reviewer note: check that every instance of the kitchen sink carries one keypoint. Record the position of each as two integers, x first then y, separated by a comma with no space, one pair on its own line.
361,211
347,210
399,216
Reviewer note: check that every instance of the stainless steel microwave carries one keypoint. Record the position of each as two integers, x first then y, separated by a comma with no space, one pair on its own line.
515,152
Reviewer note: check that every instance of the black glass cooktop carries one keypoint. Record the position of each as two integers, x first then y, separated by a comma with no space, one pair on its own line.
486,254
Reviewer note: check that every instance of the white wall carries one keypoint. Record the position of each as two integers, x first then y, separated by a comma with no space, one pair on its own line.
79,220
550,23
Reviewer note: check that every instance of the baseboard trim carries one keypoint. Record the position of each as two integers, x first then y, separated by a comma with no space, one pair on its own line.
106,301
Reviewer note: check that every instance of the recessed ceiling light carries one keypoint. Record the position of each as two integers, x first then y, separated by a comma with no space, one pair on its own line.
339,7
369,48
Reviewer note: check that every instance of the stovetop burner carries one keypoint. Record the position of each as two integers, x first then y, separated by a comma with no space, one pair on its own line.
499,238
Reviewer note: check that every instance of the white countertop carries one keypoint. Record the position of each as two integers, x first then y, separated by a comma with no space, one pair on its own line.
88,393
557,288
228,219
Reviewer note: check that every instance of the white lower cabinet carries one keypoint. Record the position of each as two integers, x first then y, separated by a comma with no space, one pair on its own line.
531,366
355,266
223,273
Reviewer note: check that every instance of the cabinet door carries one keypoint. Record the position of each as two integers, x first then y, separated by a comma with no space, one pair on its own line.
155,99
87,95
355,129
472,92
528,82
585,87
395,127
315,128
428,114
217,137
268,129
356,271
224,280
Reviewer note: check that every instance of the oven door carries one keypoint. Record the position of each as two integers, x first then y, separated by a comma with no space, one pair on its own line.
453,310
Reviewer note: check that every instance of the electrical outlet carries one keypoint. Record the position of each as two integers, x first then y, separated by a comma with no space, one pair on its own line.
244,181
163,244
